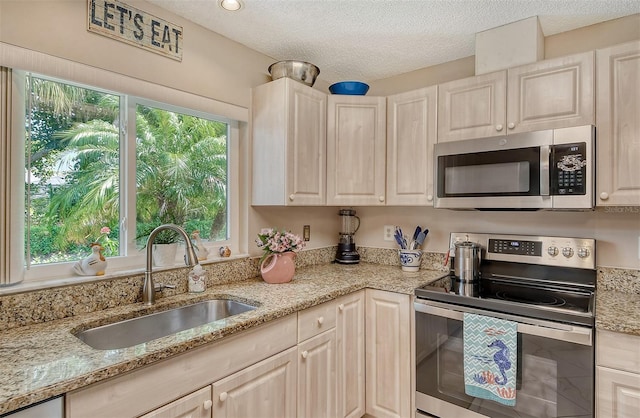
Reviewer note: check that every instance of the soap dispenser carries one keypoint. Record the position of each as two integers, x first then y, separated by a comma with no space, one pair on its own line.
197,280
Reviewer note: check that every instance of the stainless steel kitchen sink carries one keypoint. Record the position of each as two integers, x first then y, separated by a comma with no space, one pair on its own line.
143,329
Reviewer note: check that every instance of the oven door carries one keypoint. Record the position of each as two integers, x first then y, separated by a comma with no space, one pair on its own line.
555,369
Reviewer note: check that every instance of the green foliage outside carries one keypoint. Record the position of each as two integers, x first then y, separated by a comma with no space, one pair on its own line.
181,172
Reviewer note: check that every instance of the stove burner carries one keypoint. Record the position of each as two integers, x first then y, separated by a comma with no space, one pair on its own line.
539,299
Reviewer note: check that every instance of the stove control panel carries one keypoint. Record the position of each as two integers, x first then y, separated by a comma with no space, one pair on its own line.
551,251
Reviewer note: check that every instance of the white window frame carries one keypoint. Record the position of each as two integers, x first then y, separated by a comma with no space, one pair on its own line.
133,257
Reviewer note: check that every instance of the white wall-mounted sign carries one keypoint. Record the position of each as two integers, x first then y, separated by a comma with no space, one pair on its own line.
120,21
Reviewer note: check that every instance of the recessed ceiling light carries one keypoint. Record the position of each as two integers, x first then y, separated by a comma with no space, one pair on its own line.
231,5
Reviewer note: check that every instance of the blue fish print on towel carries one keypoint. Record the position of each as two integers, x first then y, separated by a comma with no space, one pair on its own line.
490,350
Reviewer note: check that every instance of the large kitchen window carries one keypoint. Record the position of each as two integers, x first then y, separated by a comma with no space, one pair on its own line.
105,167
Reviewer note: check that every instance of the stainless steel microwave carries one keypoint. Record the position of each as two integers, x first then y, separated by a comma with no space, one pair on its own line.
552,169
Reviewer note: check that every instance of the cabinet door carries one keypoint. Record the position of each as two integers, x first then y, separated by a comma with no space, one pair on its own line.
618,125
288,125
356,150
351,355
618,393
473,107
317,376
195,405
555,93
388,358
307,146
266,389
411,134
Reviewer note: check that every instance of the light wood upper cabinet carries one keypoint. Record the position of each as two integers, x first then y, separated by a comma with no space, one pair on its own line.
388,356
473,107
555,93
411,134
288,122
266,389
350,340
356,130
618,125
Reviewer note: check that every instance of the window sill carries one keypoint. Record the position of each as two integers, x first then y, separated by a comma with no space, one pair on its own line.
33,285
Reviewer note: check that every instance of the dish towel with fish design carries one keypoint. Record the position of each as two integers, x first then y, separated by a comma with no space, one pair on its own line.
490,358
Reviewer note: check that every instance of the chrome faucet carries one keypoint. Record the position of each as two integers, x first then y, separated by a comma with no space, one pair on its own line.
190,258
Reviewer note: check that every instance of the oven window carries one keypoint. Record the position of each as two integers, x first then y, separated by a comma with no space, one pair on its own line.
514,172
554,378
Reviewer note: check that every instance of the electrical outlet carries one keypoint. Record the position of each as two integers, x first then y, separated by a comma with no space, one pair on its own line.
388,232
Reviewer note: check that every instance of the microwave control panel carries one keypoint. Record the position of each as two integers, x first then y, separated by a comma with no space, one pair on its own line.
569,169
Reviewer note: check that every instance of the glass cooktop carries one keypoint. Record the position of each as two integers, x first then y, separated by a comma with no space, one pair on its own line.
556,295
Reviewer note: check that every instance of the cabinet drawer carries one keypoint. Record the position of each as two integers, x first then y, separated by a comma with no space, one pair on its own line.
618,351
316,320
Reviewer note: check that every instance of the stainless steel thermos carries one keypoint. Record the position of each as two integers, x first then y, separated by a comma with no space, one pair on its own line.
467,261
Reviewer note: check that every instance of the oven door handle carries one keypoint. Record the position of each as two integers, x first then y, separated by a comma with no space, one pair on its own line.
529,326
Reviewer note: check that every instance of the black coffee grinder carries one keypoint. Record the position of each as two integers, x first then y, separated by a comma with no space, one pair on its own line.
347,253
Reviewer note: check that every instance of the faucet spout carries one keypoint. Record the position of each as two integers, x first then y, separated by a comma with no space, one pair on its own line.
190,259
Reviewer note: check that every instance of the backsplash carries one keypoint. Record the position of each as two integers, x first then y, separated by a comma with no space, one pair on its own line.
44,305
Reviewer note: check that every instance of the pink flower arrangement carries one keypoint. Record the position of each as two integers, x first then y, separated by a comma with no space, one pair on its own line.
274,241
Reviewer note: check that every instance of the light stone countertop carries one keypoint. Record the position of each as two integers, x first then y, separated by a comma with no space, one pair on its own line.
618,300
618,311
45,360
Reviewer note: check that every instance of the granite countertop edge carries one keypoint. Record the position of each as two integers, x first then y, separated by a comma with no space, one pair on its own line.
42,361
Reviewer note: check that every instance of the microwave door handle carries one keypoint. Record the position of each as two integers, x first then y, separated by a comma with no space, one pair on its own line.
545,153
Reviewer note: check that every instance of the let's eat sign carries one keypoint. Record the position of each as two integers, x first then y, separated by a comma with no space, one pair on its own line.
120,21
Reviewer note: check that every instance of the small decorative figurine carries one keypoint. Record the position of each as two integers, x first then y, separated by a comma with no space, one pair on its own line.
201,250
94,265
224,251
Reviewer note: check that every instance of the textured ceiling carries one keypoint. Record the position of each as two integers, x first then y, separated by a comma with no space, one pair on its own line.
373,39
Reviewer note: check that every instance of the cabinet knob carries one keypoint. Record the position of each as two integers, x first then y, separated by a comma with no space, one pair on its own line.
381,198
208,404
320,321
341,307
604,196
292,197
429,198
499,128
511,125
223,396
304,354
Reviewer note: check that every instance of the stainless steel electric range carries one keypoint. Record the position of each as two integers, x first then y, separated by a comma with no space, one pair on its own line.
544,284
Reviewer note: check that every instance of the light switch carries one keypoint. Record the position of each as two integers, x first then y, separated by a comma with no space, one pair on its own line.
306,232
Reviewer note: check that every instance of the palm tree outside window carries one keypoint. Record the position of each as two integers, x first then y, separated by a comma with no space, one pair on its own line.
76,143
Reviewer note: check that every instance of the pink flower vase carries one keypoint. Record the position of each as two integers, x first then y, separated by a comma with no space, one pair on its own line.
278,267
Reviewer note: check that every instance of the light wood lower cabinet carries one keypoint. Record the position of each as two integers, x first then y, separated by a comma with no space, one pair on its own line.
388,357
266,389
350,339
617,375
195,405
317,376
327,361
